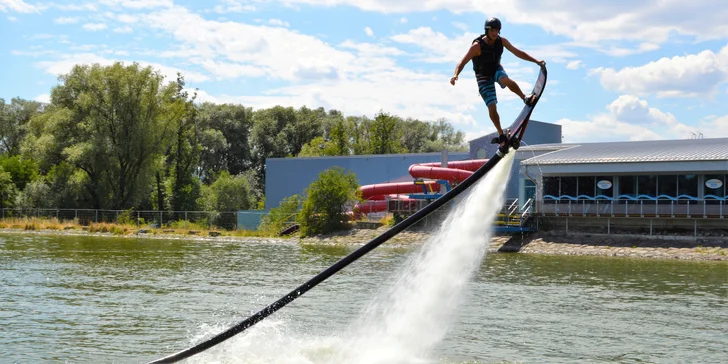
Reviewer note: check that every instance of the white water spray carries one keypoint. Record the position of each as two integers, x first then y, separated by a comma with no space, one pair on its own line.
414,314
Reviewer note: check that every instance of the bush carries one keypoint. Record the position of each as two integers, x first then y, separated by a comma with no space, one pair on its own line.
280,217
328,201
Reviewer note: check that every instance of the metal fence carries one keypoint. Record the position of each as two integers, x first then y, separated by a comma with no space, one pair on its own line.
153,219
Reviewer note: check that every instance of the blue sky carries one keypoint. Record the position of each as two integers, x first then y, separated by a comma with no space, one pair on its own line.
618,70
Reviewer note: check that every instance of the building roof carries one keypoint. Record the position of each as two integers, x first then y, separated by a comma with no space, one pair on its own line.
683,150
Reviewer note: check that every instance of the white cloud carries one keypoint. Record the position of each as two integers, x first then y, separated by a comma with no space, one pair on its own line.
629,118
12,19
65,63
572,65
66,20
403,20
369,31
127,19
124,30
304,56
90,6
714,126
647,24
16,5
279,23
233,6
389,6
223,70
436,47
45,98
94,26
693,75
138,4
371,49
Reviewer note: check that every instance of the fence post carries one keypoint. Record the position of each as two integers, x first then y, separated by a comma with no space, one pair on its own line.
161,219
211,221
96,219
138,219
117,216
185,219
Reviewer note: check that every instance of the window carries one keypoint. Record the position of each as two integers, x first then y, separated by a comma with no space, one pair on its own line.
550,188
628,187
687,185
647,186
586,187
666,188
569,186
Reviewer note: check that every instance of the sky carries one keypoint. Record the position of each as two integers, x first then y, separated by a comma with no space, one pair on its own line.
618,70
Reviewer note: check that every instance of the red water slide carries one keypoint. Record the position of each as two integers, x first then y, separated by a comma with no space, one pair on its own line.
455,172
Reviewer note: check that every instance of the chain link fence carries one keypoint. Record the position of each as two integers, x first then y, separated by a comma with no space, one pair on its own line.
233,220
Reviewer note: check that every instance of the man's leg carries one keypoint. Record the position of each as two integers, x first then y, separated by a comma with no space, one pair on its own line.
494,117
487,92
505,81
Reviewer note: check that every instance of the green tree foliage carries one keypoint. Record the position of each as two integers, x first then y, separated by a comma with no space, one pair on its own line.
227,193
36,195
224,132
22,170
69,186
183,188
385,135
327,201
8,191
280,217
13,118
111,122
282,132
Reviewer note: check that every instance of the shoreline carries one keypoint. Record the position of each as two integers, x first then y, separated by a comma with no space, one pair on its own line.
542,243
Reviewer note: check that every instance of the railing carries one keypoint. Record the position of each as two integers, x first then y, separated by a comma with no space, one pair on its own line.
688,208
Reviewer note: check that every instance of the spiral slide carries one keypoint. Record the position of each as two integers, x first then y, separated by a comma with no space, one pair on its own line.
376,195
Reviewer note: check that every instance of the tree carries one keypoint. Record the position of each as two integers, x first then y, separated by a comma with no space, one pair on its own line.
8,191
13,118
183,188
227,193
385,136
328,199
224,131
112,122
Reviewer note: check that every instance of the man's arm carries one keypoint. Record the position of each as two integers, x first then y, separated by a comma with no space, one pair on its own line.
519,53
474,51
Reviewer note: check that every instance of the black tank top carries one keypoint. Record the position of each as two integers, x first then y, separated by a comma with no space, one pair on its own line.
488,61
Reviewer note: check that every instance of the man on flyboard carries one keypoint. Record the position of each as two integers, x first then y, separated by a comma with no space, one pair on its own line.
486,51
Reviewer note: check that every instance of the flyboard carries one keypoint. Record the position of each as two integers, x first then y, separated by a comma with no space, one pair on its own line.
517,129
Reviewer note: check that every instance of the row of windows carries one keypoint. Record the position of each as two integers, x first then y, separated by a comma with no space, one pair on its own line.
650,187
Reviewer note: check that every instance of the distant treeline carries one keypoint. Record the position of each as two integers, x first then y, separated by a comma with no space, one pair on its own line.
121,137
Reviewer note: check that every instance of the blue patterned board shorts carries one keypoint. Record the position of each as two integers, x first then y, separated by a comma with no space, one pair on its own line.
486,85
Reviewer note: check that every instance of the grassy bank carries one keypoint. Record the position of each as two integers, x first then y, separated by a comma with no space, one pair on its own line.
177,228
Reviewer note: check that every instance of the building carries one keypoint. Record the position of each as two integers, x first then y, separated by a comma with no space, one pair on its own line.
676,184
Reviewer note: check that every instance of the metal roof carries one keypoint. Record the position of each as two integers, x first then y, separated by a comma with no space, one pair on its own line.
709,149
